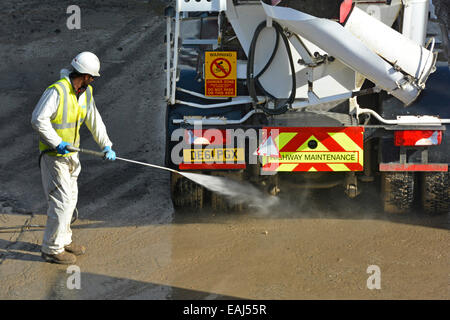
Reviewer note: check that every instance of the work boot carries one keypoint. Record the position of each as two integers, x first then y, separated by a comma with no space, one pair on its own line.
60,258
76,249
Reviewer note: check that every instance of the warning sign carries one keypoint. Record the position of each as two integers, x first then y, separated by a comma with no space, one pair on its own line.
220,74
313,149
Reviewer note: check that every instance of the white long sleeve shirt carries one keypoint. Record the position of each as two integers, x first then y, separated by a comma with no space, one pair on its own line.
46,110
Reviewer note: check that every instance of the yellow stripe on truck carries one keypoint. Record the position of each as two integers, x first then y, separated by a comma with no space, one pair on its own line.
338,167
287,167
283,138
348,144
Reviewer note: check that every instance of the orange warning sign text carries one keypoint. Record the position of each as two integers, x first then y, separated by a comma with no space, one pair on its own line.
220,74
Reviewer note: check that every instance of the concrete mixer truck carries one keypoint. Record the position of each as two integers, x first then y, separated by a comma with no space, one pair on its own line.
309,94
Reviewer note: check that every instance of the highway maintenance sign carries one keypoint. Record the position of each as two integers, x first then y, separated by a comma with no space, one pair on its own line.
220,74
312,149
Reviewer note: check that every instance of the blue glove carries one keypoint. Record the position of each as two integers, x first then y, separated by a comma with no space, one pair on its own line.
109,153
61,148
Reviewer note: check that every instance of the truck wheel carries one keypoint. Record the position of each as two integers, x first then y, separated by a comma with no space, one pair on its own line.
186,193
435,192
397,191
220,203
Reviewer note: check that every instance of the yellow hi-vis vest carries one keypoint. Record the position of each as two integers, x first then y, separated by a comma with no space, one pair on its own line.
69,116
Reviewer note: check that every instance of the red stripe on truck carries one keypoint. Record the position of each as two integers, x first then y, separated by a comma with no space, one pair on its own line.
443,167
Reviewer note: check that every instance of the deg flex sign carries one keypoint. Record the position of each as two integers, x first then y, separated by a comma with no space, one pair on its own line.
220,74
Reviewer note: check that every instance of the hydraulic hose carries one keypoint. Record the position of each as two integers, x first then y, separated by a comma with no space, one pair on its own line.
253,81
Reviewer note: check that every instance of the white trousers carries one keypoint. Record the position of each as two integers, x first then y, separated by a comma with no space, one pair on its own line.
59,179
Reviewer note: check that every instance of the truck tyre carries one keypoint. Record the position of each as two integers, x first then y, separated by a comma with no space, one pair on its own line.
186,193
397,191
219,203
435,192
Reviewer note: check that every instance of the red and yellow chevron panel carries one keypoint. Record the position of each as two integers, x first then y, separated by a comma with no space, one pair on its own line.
312,149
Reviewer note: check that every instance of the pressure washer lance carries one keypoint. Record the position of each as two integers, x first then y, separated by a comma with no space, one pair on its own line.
102,155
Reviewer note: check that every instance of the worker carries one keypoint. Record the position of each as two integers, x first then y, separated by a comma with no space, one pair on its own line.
57,117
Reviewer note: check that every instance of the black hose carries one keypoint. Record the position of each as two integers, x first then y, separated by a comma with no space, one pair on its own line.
274,51
253,81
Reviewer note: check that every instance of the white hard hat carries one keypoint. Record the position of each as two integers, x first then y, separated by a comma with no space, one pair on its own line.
87,62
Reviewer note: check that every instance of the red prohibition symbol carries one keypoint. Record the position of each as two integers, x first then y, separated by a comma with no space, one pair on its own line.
218,66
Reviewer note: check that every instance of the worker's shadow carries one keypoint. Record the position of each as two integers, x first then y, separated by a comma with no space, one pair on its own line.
19,250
